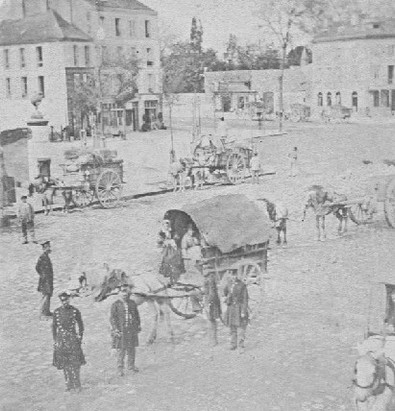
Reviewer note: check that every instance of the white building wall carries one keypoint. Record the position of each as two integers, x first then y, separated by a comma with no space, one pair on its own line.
15,110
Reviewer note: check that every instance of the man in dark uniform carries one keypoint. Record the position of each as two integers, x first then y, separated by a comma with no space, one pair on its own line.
45,282
125,324
236,316
68,355
212,305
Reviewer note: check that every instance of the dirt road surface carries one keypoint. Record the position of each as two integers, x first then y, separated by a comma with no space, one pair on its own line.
299,350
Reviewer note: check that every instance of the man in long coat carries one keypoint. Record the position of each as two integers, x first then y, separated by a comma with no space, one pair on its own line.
212,305
68,355
236,315
45,283
125,324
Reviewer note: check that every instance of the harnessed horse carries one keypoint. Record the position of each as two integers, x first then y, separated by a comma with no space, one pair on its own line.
278,214
323,204
373,382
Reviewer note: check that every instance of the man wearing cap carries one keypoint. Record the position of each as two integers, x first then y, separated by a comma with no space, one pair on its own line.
68,355
236,315
26,217
125,325
45,282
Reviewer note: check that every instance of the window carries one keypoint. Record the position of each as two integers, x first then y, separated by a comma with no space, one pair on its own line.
354,100
329,99
103,53
385,98
87,56
376,72
8,87
132,28
147,28
6,58
39,55
22,57
376,98
319,100
118,27
338,98
75,55
41,87
133,52
390,74
150,83
149,58
101,21
24,87
88,22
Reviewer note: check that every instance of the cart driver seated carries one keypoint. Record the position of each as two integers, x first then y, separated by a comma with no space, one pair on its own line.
389,321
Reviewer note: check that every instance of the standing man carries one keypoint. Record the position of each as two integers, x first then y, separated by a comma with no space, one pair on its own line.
236,316
26,217
255,165
212,305
68,355
45,282
125,324
293,162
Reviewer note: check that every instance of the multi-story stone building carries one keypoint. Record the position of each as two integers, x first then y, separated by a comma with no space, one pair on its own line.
46,45
354,66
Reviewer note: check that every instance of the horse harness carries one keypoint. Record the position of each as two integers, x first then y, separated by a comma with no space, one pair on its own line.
379,382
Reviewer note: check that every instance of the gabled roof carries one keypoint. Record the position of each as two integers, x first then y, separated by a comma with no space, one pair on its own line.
121,4
41,28
365,30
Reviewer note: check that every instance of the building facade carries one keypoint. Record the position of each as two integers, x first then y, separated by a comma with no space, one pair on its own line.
110,30
354,66
233,91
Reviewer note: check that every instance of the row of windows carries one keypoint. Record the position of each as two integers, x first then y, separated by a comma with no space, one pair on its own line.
337,96
22,58
12,92
133,52
129,28
381,98
86,56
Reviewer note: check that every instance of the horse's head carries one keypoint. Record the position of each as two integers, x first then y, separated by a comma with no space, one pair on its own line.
111,284
270,208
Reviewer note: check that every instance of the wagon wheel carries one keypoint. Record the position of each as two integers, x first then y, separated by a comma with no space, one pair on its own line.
236,167
109,188
183,307
389,204
83,198
358,214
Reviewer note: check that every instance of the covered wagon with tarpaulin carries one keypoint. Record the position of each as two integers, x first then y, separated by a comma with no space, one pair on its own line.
233,233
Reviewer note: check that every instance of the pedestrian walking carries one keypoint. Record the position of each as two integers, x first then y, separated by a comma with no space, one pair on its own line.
125,325
26,217
293,162
68,355
255,168
236,315
212,306
45,283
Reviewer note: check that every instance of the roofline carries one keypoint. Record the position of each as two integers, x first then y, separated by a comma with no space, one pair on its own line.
354,37
47,41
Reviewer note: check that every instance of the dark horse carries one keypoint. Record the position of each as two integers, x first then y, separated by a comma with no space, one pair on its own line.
278,214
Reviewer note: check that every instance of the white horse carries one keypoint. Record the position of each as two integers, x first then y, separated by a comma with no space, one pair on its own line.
374,382
149,288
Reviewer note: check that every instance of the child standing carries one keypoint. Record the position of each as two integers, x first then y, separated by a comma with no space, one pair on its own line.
293,159
255,168
26,217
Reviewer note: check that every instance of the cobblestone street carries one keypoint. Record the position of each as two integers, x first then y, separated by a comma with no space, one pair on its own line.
300,347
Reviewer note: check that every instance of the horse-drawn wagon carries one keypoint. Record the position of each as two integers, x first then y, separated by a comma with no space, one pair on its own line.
233,234
230,159
91,174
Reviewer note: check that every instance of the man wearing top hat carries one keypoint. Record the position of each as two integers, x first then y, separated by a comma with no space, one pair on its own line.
68,355
45,282
125,325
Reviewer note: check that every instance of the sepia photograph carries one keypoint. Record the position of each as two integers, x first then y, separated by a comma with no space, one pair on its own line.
197,205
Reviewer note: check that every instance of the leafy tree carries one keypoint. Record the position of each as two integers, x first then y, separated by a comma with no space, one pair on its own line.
295,55
196,36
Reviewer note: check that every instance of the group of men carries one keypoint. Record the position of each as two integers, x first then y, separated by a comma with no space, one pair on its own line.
68,326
